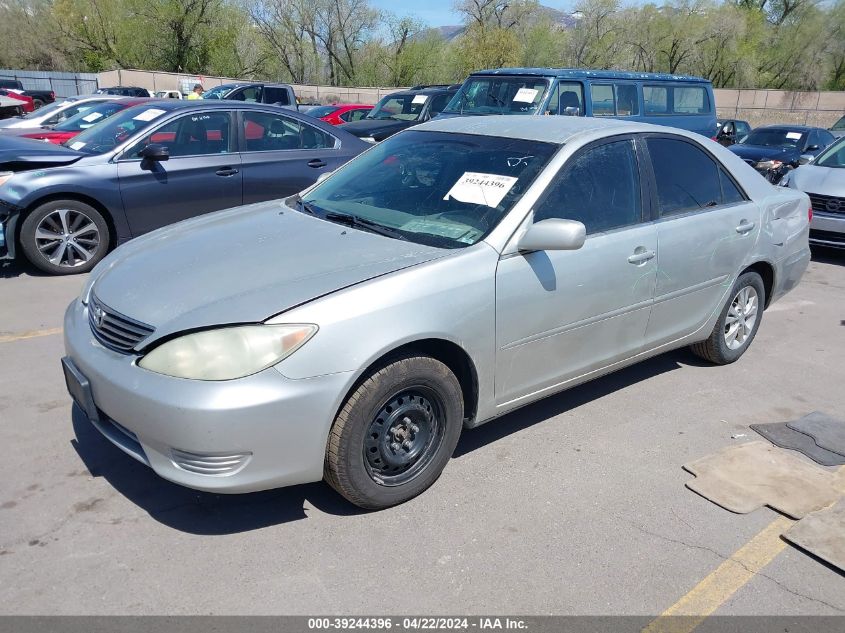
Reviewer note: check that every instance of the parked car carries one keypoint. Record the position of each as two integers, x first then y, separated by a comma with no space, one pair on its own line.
63,132
125,91
340,113
775,149
26,103
824,181
730,131
400,110
676,100
449,275
64,207
9,107
55,113
275,94
39,98
838,128
168,94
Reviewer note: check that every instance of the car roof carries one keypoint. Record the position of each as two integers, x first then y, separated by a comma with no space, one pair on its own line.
553,129
577,73
787,126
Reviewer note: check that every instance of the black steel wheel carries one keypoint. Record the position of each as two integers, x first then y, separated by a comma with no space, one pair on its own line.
395,433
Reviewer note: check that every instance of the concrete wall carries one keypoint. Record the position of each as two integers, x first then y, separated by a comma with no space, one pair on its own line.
758,107
761,107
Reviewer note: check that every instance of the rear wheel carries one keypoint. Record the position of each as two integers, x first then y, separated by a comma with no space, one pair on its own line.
64,237
395,432
738,322
37,103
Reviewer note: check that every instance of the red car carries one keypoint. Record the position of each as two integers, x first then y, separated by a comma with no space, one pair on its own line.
26,102
337,114
82,121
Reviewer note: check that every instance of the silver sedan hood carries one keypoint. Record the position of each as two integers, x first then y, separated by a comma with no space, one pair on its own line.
826,181
243,265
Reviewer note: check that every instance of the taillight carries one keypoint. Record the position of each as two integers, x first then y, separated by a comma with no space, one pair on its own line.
52,95
810,214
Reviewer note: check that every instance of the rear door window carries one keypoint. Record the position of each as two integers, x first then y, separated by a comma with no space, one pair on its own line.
620,99
276,95
672,99
266,132
687,178
602,97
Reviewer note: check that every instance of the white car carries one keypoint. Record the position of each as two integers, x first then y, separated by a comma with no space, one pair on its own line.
55,113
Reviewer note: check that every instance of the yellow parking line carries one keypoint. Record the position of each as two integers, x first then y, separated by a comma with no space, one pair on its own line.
21,336
724,581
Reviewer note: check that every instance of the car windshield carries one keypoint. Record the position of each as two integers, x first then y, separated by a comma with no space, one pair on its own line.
833,156
839,125
90,117
218,92
440,189
775,137
113,131
46,111
399,107
321,111
499,95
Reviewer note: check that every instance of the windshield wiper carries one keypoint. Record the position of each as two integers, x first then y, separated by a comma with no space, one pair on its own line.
363,223
302,205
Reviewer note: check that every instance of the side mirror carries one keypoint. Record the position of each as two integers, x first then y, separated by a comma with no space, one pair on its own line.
155,152
804,159
570,111
323,176
811,148
553,235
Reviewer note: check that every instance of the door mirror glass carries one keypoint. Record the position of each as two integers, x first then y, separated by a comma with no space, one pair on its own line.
155,152
553,235
812,148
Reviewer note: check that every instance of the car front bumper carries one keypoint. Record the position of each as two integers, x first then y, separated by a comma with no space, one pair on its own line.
828,229
255,433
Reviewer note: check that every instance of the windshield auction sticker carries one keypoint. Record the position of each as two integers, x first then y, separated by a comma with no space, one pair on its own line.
477,188
420,99
92,117
793,135
525,95
149,114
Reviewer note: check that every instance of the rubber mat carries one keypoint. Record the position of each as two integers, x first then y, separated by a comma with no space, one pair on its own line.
822,534
744,477
781,435
828,432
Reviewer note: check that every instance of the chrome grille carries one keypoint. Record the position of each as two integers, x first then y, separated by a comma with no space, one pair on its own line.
114,330
827,204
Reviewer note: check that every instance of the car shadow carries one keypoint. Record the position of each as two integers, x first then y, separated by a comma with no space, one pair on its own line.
14,268
826,255
573,398
205,513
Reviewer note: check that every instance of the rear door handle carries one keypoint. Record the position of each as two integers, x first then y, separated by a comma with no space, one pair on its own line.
745,227
316,163
226,171
640,256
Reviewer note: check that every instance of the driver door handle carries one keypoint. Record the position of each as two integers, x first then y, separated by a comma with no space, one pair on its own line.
641,257
316,163
745,227
226,171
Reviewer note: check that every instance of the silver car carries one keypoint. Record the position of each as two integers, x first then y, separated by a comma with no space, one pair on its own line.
824,181
54,113
453,273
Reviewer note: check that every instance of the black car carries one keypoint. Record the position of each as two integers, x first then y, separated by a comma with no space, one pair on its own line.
124,91
39,97
400,110
150,165
730,131
775,149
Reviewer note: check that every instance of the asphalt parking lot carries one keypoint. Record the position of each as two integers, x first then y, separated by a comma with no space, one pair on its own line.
574,505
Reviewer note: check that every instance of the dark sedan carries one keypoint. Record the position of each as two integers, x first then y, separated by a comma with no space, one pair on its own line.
150,165
775,149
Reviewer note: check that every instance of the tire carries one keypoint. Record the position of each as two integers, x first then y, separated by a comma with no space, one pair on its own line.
719,348
377,464
37,103
78,228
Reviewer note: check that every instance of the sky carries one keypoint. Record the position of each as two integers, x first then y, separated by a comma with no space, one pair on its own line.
438,12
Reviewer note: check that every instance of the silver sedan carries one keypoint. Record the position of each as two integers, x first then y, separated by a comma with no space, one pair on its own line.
448,275
824,181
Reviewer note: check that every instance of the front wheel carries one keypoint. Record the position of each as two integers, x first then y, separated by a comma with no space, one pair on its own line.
64,237
738,322
395,432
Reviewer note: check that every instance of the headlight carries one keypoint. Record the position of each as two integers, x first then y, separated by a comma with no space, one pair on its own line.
368,139
227,353
769,164
4,176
